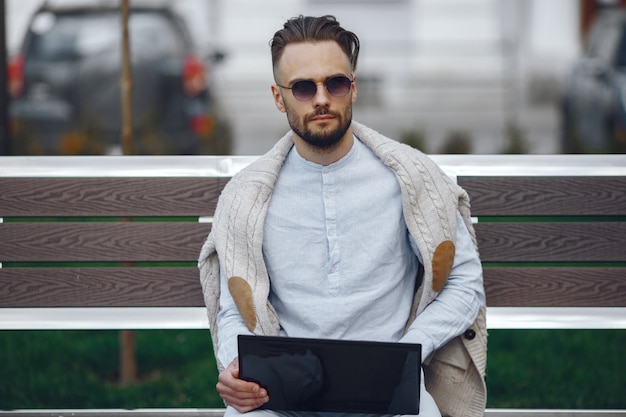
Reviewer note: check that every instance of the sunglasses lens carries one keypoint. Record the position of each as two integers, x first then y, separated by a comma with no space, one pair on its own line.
304,90
338,86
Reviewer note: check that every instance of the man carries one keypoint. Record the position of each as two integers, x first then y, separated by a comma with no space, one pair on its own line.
326,235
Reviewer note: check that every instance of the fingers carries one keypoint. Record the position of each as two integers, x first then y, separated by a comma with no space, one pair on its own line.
239,394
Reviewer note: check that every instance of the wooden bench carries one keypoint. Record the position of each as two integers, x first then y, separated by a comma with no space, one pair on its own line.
112,243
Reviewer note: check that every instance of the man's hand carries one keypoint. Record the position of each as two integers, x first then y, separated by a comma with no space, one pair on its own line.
242,395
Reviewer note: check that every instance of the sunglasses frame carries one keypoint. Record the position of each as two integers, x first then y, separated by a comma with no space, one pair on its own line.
316,84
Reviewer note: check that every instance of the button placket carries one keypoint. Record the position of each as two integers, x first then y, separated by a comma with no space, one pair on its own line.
330,211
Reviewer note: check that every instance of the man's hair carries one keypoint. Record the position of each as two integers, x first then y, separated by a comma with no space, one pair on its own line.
314,29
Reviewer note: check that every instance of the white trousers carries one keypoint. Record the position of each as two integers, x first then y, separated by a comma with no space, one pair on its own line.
428,408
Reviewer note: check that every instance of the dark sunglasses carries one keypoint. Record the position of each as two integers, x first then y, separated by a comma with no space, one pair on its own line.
305,90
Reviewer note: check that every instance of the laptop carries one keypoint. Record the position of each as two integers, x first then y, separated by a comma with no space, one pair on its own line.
302,374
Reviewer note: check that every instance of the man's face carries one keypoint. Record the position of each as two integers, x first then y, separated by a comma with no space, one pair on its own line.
322,121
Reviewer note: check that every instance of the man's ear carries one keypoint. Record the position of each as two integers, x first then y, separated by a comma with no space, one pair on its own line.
353,88
278,98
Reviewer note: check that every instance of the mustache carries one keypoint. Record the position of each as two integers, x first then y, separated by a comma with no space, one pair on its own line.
321,111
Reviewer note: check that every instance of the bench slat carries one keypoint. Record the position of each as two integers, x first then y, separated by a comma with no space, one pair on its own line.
101,241
216,412
551,242
180,287
58,197
126,241
546,196
555,287
100,287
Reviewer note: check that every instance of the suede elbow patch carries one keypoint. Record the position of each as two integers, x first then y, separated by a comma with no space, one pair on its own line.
242,295
443,258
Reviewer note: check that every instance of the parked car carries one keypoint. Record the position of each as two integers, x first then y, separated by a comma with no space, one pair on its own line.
594,97
65,85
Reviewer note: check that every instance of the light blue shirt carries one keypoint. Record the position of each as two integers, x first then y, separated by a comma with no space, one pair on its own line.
342,264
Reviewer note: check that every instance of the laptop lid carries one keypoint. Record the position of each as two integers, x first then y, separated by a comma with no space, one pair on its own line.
302,374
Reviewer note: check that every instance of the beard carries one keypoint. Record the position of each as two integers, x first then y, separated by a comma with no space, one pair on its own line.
326,138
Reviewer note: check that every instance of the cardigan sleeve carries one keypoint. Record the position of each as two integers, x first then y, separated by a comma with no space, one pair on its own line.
456,306
229,325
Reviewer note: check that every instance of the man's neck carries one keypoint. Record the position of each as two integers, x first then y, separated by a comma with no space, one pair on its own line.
325,156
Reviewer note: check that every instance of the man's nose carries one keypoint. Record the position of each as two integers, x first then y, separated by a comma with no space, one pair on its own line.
322,96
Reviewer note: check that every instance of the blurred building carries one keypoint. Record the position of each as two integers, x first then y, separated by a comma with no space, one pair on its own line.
432,66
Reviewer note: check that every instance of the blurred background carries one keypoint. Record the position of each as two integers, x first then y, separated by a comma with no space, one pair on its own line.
447,76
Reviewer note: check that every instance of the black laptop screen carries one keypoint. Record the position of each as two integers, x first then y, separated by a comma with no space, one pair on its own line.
333,375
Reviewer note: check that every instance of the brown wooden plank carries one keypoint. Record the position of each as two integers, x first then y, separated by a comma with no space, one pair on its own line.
555,287
180,287
100,287
552,242
546,196
101,241
58,197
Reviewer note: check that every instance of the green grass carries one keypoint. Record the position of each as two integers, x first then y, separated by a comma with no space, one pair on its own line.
557,369
79,369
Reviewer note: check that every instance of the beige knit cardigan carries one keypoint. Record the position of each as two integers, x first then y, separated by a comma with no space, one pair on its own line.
454,373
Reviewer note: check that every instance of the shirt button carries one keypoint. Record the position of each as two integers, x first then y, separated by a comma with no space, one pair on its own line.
331,232
469,334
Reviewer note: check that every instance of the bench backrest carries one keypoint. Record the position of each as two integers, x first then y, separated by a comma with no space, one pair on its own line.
105,232
551,241
126,231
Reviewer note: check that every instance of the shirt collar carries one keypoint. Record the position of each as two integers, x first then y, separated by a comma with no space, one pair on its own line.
298,159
